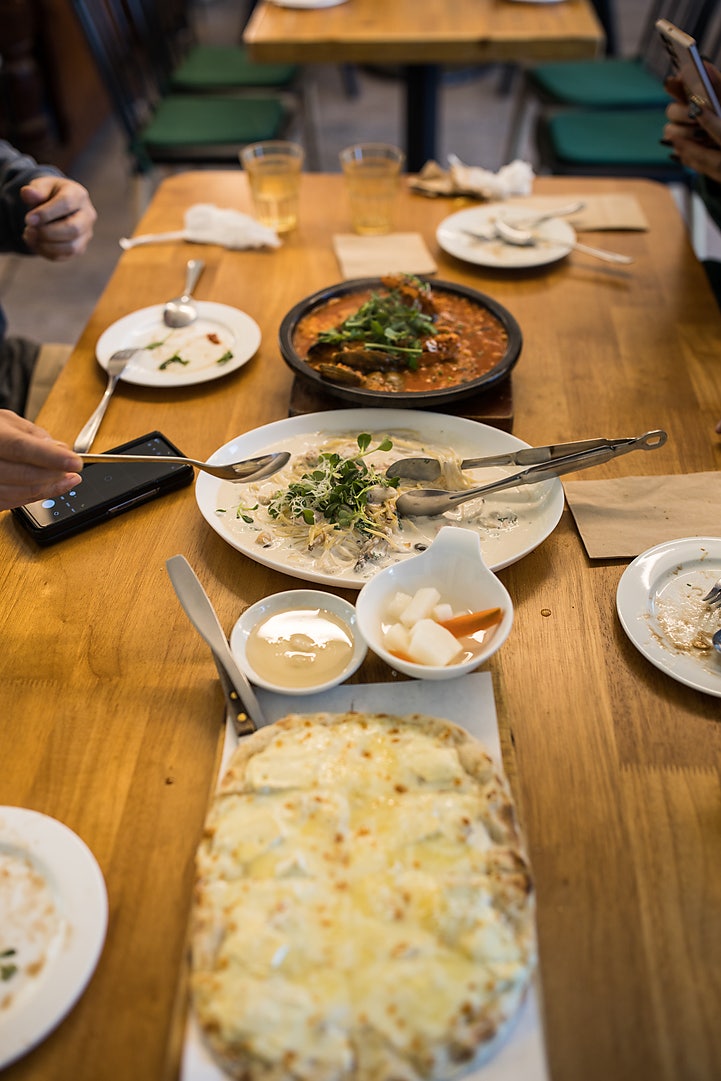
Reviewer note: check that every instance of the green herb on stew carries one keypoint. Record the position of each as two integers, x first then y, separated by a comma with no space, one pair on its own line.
225,357
387,323
336,489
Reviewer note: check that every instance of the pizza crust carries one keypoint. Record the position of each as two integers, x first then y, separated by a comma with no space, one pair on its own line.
363,907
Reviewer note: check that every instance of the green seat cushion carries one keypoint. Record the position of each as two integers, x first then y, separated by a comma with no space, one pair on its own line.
215,66
599,84
181,120
608,137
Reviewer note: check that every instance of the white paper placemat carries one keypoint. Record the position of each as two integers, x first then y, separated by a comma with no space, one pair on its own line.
468,701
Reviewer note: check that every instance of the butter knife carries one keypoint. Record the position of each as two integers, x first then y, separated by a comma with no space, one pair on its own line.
241,701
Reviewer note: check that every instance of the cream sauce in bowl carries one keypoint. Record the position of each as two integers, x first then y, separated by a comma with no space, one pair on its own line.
298,642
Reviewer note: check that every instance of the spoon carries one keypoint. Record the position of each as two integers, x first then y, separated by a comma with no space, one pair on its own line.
561,212
524,238
251,469
716,641
431,501
116,364
180,312
239,695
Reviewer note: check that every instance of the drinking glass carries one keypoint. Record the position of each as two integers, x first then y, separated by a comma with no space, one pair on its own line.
372,172
273,170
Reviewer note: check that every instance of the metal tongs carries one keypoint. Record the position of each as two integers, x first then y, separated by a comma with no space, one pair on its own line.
545,463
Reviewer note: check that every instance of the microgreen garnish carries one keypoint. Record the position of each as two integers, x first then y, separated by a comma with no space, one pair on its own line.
336,489
225,357
387,323
7,969
175,359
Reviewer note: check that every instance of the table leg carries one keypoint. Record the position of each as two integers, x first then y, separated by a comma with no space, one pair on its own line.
421,105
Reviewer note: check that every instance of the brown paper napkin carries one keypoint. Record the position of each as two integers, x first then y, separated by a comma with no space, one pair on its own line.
599,211
393,253
623,517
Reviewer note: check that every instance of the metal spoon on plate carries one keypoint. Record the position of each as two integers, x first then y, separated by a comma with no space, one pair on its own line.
181,311
251,469
427,502
524,238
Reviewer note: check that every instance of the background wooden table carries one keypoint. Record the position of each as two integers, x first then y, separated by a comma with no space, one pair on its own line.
423,34
110,710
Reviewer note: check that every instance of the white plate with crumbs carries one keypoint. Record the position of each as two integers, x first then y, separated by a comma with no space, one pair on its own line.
53,918
660,606
221,340
454,237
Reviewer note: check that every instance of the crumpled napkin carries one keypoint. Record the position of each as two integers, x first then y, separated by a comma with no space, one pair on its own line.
208,224
623,517
460,179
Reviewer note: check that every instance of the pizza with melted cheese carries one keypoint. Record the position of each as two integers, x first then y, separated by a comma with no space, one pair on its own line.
363,908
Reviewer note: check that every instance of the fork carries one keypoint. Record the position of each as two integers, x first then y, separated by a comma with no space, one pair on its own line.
713,597
116,364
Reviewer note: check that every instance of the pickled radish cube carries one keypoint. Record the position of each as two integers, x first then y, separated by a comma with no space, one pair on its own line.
442,611
396,638
420,605
432,644
397,604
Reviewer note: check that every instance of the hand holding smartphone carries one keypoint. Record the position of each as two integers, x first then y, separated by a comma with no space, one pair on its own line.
107,489
689,66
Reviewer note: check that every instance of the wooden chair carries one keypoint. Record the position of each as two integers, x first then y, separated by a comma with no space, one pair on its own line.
162,127
609,82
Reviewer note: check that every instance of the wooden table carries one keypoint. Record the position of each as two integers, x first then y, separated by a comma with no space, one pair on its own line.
424,34
111,712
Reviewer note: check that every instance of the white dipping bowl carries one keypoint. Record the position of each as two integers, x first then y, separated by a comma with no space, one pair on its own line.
297,599
455,566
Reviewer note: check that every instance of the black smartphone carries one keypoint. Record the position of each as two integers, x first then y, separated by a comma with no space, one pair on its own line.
688,65
108,489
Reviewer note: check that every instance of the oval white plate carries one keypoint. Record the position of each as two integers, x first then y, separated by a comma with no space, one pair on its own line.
77,887
674,572
236,332
538,507
452,237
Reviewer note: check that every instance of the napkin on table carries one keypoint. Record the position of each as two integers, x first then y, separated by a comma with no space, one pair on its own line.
460,179
208,224
610,210
392,253
623,517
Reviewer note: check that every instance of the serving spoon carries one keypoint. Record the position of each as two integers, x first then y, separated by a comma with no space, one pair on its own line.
181,312
524,238
427,502
251,469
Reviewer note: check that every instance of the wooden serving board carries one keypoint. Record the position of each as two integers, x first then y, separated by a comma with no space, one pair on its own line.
492,406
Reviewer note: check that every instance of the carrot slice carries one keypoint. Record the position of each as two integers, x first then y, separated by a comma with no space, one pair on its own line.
461,626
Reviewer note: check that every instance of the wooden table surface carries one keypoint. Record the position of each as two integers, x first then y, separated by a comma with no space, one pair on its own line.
111,713
424,34
424,31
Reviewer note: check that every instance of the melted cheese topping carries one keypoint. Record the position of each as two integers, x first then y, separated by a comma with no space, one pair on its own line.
354,893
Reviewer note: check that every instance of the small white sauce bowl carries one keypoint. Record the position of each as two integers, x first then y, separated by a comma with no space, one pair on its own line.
453,564
295,599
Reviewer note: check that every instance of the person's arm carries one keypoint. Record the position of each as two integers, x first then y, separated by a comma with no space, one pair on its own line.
42,212
32,464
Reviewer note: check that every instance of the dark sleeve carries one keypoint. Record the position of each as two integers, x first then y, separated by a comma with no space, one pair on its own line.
16,170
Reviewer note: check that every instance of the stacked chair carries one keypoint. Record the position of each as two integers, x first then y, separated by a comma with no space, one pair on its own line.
605,116
140,48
